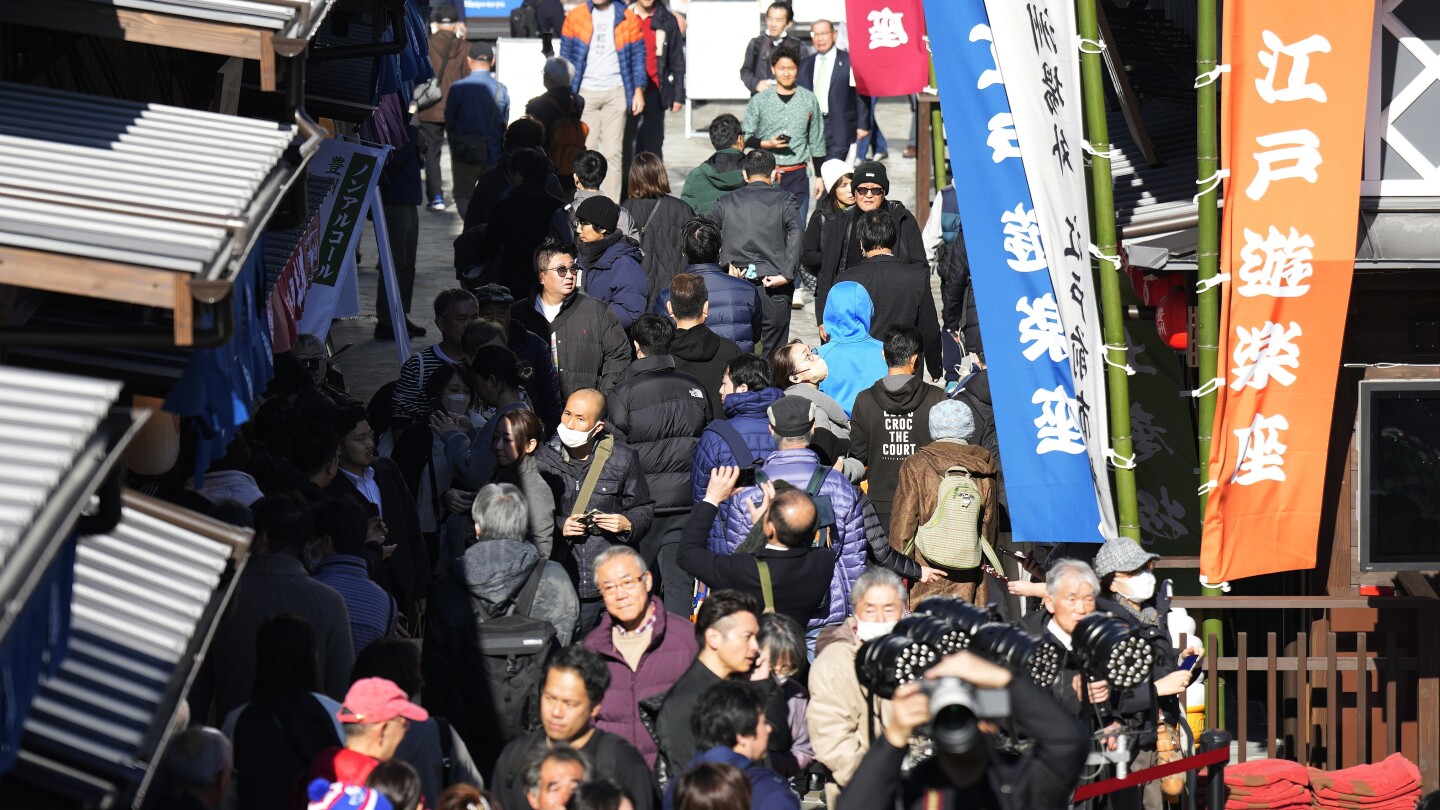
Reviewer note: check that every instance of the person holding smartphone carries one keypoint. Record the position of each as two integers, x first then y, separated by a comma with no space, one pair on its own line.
785,119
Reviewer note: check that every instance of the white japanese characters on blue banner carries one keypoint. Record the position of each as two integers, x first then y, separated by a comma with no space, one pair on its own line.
1036,49
1052,492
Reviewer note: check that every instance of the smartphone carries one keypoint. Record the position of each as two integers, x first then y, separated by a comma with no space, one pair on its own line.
1191,663
747,477
990,569
782,137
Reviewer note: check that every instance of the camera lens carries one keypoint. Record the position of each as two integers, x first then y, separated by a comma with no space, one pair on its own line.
952,715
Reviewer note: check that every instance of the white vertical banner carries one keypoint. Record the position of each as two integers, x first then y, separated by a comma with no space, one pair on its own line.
1037,50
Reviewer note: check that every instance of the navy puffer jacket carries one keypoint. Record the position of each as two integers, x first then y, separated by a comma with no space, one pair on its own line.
747,411
660,412
618,279
734,305
732,523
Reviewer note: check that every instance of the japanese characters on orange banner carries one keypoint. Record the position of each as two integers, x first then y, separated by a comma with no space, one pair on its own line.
1292,137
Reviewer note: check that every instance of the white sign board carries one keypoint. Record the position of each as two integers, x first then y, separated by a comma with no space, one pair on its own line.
717,33
520,65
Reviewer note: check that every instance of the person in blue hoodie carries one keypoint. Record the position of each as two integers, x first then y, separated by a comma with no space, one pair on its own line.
609,262
730,728
856,360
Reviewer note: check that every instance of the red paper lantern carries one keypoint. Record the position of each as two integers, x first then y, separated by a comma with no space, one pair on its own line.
1172,318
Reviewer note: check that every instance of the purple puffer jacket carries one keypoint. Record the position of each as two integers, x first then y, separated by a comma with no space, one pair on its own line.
732,522
672,651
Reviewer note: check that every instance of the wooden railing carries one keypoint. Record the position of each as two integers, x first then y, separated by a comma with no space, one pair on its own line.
1315,694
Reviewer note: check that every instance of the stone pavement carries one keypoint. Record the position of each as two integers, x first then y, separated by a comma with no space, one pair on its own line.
370,363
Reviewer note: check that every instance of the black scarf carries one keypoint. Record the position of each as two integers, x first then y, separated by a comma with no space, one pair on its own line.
590,252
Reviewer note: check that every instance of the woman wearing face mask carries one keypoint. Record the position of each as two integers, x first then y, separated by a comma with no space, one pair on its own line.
499,376
420,454
799,370
518,434
783,660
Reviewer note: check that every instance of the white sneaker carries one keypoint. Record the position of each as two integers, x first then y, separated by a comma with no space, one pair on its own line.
797,301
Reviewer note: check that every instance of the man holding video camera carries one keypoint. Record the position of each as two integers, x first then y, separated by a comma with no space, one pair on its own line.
969,771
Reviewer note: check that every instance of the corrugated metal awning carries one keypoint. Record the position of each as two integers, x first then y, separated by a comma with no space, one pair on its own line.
288,18
142,184
147,596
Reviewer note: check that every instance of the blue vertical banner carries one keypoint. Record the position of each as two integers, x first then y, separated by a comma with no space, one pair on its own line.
1052,493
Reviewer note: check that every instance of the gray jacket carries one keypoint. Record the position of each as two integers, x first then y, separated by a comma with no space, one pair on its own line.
760,225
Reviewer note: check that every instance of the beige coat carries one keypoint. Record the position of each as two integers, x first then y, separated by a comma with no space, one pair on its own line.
838,714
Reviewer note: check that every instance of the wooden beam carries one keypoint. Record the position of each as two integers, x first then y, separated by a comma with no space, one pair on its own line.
267,62
227,87
85,17
92,278
184,314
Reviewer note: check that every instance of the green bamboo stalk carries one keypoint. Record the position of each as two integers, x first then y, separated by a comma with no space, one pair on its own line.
1207,316
937,139
1092,78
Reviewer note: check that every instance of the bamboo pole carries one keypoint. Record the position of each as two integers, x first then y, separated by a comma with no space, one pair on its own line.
1207,316
1092,79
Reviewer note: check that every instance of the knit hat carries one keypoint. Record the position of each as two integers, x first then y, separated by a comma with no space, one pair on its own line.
832,170
792,416
1121,554
599,211
872,171
952,419
376,700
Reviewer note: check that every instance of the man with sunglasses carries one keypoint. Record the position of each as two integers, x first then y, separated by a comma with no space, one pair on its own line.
587,344
840,243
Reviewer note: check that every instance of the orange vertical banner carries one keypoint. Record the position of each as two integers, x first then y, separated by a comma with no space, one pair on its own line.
1292,137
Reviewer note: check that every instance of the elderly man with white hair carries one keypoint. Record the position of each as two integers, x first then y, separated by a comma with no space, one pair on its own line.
838,709
917,497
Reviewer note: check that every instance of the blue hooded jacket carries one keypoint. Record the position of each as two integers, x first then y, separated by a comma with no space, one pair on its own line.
856,360
618,279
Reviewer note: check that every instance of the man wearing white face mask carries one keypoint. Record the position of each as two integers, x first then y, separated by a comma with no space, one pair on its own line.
594,506
839,713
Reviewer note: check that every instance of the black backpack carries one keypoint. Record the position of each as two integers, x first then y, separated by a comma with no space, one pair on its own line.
511,651
523,21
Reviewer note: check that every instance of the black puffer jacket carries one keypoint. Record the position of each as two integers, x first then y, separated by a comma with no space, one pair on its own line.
659,220
590,345
957,295
620,490
840,247
661,413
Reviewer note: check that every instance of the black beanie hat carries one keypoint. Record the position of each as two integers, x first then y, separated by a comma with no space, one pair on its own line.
601,212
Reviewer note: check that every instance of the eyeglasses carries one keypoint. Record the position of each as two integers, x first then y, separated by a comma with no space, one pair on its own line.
565,270
870,191
628,583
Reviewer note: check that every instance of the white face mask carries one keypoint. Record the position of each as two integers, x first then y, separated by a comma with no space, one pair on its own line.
869,631
570,437
455,403
1140,586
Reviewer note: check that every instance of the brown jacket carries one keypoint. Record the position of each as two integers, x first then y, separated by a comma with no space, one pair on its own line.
838,715
455,70
915,499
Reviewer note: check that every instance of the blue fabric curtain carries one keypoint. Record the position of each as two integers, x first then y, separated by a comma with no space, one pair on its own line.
34,649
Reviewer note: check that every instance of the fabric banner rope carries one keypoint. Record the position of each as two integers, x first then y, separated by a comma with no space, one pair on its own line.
1189,763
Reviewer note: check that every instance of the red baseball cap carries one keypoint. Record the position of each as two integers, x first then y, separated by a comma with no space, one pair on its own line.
376,700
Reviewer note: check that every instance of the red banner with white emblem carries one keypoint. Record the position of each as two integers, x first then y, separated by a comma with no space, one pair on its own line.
887,46
1292,137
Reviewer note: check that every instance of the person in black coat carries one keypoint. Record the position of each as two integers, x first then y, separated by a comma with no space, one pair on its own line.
661,412
840,244
844,109
665,88
660,218
502,251
799,572
543,389
760,227
900,290
376,482
698,350
755,69
1044,778
590,346
731,307
619,509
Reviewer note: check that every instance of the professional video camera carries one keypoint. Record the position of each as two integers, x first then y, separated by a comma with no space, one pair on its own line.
941,627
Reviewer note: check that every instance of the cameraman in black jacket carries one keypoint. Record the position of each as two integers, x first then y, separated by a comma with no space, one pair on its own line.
1042,778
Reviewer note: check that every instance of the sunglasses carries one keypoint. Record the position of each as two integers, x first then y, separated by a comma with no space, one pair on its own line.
870,191
565,270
